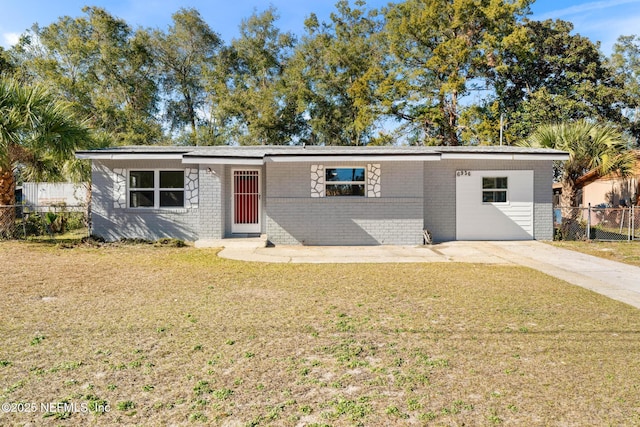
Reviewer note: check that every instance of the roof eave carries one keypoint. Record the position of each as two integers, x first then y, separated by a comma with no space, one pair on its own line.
94,155
348,157
505,156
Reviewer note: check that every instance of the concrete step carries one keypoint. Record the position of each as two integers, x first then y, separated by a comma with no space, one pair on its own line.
233,242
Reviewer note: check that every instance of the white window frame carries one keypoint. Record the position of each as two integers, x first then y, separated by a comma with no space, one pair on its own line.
156,189
495,190
326,183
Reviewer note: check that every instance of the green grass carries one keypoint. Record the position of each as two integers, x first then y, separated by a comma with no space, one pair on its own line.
287,345
626,252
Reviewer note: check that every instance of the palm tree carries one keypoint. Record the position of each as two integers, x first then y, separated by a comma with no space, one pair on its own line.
38,134
591,147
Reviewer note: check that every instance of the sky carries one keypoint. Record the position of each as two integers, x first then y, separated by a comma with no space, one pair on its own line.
603,20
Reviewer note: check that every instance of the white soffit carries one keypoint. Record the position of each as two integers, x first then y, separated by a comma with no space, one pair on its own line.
477,156
224,160
129,156
504,156
355,158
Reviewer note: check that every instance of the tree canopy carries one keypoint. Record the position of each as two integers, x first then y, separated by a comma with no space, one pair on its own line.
255,97
591,146
335,74
552,76
415,72
625,63
440,49
38,133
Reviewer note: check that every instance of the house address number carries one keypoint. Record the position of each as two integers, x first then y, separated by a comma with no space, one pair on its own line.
463,173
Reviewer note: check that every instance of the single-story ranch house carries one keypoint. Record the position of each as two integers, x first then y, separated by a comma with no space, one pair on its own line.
323,195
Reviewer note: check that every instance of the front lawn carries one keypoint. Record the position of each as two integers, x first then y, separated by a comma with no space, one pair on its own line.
144,335
627,252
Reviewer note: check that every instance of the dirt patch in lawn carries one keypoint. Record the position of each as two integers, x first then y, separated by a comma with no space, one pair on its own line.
158,335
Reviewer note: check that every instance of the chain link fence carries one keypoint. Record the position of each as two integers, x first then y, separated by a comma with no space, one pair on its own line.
597,223
26,221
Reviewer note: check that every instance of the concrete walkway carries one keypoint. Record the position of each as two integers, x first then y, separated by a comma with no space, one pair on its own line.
613,279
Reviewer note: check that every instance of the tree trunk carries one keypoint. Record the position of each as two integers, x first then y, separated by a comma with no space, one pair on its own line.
453,119
7,202
568,201
573,218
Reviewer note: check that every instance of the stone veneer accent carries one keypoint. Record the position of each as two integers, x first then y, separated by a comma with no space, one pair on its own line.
373,180
317,180
191,187
119,188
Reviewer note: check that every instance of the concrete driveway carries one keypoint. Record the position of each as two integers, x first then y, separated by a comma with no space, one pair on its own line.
613,279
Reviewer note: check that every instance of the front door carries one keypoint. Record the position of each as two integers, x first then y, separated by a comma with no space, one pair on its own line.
246,201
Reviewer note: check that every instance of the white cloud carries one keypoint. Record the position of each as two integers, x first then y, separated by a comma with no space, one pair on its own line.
9,39
607,31
586,7
602,21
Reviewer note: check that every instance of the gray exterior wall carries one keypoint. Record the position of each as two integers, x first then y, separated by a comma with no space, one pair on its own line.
213,181
440,190
113,223
414,196
294,217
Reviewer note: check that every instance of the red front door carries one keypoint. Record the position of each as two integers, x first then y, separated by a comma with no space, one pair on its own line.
246,201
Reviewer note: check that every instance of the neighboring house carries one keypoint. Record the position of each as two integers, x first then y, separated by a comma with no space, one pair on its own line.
323,195
611,190
60,194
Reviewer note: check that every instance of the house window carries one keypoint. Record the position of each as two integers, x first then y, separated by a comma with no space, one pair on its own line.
494,189
156,189
344,182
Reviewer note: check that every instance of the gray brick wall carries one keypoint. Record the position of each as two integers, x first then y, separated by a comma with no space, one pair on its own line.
294,217
327,221
288,180
543,201
212,181
440,200
114,224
